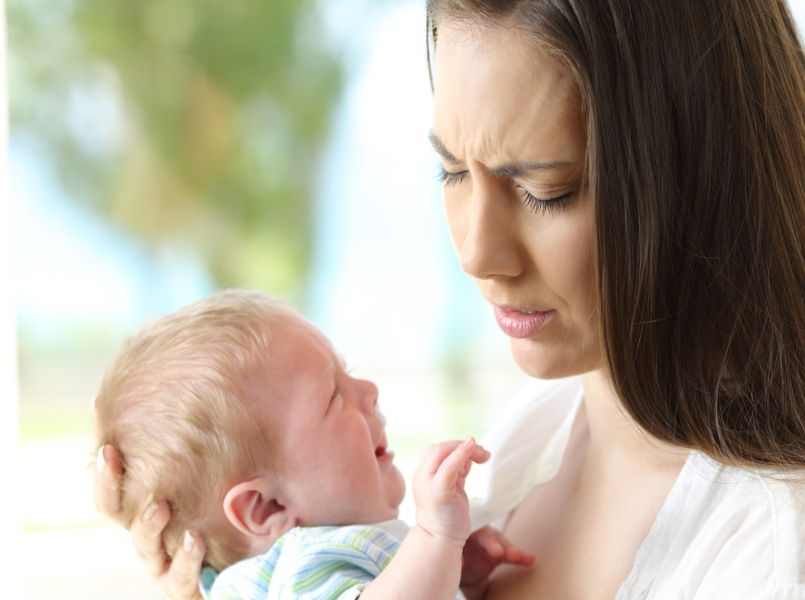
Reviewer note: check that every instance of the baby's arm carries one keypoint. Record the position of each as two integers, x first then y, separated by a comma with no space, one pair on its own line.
428,563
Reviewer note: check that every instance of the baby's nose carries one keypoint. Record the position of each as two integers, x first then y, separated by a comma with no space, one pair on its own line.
368,394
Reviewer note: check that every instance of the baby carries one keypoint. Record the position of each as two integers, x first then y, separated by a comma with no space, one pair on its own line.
240,413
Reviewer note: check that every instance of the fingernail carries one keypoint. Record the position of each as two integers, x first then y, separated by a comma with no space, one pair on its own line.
100,462
469,441
188,542
150,510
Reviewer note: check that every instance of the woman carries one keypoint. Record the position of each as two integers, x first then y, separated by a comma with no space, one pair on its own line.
624,182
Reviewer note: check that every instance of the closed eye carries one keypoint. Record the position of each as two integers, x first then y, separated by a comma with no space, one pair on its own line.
544,206
447,178
333,399
540,206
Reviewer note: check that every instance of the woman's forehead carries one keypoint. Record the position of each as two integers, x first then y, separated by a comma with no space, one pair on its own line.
500,98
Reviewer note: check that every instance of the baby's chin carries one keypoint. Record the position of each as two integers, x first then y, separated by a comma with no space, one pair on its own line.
391,508
394,507
397,492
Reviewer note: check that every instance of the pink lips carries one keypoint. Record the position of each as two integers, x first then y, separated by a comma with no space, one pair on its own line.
520,325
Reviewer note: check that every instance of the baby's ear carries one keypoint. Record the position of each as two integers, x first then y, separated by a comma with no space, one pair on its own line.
252,508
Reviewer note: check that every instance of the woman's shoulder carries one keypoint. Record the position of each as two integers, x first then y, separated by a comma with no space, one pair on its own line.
729,532
742,495
766,506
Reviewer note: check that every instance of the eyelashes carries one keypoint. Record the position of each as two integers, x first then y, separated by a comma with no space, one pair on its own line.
547,206
447,178
539,206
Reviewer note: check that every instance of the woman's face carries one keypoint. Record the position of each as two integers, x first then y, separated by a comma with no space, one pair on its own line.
510,134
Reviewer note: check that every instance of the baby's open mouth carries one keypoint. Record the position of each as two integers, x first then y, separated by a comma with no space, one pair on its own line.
383,453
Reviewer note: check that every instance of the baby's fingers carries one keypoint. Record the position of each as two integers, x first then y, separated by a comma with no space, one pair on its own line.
479,455
457,463
437,453
435,456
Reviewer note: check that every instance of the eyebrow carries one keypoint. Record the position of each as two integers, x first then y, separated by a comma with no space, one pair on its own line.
440,148
515,169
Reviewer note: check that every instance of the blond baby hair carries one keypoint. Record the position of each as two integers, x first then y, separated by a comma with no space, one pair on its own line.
174,403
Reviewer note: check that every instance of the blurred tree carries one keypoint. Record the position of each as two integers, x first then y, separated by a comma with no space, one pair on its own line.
195,123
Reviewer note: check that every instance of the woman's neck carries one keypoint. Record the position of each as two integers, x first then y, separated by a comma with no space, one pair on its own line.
615,439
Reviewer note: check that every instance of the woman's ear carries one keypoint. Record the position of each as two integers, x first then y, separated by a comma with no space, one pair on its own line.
251,506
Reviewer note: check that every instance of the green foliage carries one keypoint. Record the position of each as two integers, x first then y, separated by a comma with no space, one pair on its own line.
221,109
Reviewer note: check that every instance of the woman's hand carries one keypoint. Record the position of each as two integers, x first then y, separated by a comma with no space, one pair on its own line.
179,577
485,550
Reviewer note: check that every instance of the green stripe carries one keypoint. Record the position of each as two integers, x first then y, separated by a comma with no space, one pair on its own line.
312,580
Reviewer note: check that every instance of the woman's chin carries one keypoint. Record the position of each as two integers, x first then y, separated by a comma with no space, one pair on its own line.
542,361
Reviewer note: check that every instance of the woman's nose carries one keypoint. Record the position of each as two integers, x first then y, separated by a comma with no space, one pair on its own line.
489,248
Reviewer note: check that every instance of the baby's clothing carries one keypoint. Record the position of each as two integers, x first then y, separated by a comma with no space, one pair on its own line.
722,532
313,563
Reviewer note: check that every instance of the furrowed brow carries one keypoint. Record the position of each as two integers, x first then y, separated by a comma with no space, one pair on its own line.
521,168
512,170
438,145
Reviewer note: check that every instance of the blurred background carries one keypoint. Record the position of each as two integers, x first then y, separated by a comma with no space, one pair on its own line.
160,150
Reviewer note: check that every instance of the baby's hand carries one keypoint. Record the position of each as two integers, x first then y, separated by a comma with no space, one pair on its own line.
485,550
442,508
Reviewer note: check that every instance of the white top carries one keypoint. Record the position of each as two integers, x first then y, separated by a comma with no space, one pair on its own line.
722,532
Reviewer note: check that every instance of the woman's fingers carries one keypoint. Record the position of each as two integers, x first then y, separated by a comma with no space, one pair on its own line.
146,533
500,549
179,577
514,555
489,540
182,579
108,474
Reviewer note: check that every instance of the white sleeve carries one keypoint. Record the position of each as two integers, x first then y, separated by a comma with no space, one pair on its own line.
759,551
733,533
527,444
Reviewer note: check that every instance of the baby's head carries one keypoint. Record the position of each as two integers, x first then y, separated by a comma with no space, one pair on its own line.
239,412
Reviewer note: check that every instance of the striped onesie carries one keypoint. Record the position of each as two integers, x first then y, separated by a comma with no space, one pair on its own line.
321,563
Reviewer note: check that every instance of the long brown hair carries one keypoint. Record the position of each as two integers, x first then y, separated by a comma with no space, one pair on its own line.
695,115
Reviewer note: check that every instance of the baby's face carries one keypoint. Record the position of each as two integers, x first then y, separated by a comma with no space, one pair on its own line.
332,461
